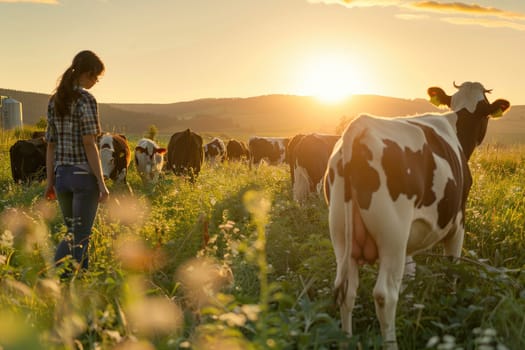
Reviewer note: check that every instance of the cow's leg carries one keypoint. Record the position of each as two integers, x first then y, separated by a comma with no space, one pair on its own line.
348,303
410,272
346,280
452,247
453,243
386,291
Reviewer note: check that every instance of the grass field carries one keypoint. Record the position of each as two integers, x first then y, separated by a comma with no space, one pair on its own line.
262,281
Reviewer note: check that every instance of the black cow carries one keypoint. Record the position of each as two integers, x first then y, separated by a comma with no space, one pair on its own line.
237,150
185,154
28,160
271,149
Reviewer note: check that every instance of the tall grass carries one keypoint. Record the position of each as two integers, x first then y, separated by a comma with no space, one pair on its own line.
232,262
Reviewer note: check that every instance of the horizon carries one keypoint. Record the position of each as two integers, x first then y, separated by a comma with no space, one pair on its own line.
317,99
327,49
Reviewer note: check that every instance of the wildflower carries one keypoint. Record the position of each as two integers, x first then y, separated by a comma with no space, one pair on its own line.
6,240
164,316
432,342
202,278
232,319
185,345
251,311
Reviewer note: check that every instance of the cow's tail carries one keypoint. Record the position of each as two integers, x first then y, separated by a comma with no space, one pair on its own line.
343,267
350,213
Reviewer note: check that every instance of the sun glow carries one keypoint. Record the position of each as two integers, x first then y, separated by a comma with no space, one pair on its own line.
330,78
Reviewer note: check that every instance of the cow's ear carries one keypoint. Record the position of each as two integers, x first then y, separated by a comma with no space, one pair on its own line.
160,151
438,97
123,136
140,149
498,108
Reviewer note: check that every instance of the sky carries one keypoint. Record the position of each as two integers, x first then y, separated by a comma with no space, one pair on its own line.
166,51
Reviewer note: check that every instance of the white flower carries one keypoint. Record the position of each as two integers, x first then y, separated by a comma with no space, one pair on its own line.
6,240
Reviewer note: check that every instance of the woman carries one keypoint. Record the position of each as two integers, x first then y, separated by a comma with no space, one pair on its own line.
74,172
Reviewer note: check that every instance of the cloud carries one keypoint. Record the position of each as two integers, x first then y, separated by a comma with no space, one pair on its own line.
46,2
473,14
485,22
412,16
459,7
359,3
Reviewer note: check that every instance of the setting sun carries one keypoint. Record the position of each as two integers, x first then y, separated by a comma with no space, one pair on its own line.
329,78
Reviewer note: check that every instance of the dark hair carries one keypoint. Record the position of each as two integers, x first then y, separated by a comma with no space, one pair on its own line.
84,61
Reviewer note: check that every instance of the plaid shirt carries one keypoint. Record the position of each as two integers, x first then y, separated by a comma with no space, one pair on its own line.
67,132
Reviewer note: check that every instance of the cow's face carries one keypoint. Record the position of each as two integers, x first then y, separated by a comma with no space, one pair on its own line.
107,155
471,97
149,159
472,111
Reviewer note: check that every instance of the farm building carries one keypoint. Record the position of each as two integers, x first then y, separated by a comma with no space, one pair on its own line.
10,113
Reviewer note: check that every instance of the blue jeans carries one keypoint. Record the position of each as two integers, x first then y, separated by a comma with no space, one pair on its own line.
77,194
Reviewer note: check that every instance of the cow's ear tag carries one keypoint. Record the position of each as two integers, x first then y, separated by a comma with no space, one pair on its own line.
435,100
122,154
497,114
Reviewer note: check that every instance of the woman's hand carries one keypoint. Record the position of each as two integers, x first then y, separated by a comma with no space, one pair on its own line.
50,193
103,193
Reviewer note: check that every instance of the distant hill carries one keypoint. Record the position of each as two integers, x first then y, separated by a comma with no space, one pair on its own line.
34,107
272,114
261,115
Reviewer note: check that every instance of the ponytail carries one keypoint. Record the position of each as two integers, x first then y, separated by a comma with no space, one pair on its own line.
66,94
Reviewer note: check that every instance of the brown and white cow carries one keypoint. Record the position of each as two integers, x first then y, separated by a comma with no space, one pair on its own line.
270,149
398,186
185,154
115,156
149,160
237,150
308,159
215,151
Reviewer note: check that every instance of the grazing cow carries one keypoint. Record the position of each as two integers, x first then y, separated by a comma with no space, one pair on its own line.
308,157
37,134
185,154
236,150
149,159
28,160
271,149
215,151
115,156
397,186
290,154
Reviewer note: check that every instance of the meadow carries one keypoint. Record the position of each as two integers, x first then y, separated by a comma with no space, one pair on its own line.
232,262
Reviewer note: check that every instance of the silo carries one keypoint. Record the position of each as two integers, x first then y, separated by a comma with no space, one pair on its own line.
11,113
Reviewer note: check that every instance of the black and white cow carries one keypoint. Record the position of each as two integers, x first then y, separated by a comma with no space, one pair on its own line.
149,160
215,151
28,160
290,154
308,158
115,156
185,154
237,150
398,186
270,149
